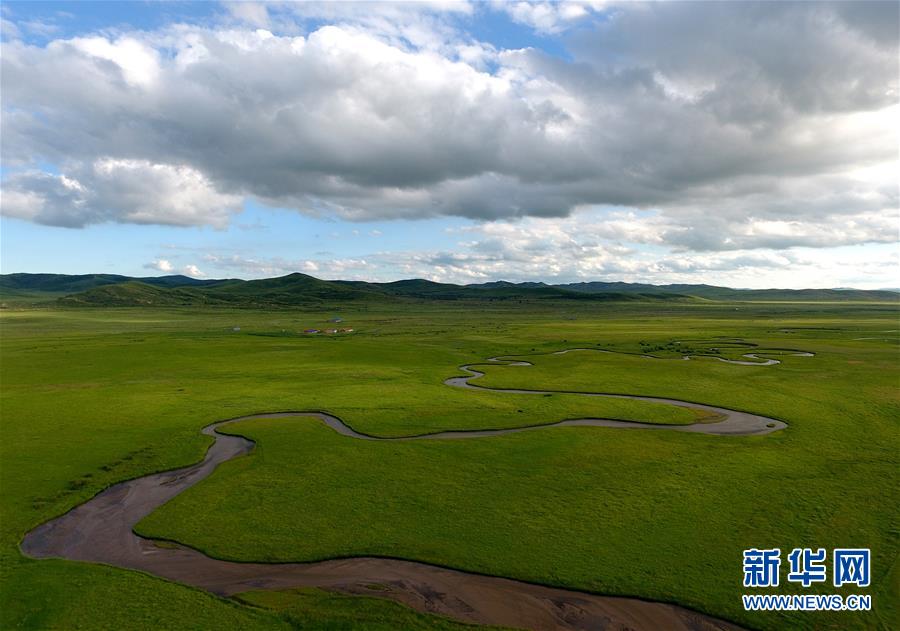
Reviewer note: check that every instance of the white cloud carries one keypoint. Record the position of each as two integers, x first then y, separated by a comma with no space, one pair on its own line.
167,267
132,191
253,13
548,17
332,268
740,126
193,271
871,268
9,30
138,62
162,265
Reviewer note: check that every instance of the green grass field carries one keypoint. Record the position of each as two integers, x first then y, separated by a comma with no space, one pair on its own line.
93,396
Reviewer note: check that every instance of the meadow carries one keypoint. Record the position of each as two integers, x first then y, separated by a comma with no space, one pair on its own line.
93,396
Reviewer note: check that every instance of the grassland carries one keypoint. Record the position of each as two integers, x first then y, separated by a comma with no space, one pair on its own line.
94,396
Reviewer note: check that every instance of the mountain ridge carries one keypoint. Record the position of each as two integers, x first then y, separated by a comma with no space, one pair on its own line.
302,289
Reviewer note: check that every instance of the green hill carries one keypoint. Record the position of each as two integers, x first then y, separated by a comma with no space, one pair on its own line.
301,289
56,283
291,289
18,285
304,290
134,294
712,292
295,289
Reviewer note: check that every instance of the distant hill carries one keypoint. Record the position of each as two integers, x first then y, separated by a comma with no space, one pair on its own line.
179,280
294,289
712,292
56,283
291,289
69,283
426,289
134,293
300,289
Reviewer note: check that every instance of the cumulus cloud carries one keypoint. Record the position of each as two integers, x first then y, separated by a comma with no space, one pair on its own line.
167,267
162,265
548,17
332,268
252,13
193,271
110,189
582,248
741,125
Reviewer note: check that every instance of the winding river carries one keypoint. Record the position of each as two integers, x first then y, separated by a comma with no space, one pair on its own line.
101,531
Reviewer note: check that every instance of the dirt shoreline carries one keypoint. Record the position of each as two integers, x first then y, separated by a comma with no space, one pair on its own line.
101,531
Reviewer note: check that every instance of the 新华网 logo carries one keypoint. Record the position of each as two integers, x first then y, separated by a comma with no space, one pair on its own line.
808,567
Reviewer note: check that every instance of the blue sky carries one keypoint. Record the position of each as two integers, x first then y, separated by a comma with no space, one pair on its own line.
460,142
257,236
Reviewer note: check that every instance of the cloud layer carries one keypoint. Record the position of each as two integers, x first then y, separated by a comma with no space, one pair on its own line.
582,247
740,125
